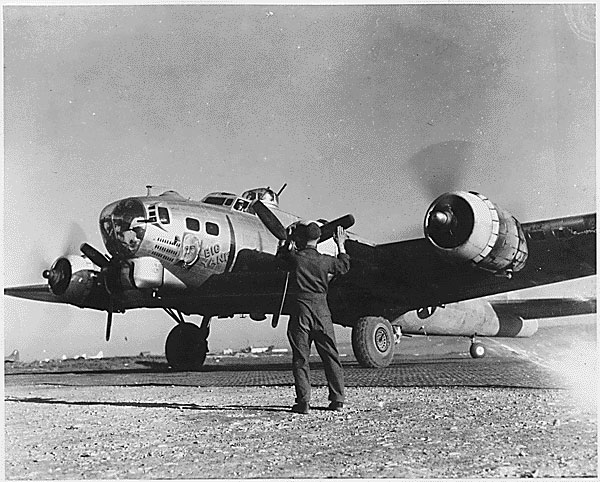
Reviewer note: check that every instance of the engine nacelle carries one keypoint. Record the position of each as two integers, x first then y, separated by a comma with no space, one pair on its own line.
468,227
466,318
145,273
73,278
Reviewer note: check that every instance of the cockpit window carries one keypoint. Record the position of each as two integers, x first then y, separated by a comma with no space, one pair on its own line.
163,215
217,201
241,205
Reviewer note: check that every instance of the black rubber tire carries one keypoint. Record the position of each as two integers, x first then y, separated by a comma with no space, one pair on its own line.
373,342
477,350
186,347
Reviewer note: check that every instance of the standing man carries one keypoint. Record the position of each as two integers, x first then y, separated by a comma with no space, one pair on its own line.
310,273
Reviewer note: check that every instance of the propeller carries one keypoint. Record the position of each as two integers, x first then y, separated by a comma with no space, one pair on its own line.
59,276
442,219
330,228
273,224
96,256
44,254
442,167
106,265
275,320
75,236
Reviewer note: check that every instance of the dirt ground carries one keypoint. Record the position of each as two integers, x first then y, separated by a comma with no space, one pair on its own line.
162,432
529,409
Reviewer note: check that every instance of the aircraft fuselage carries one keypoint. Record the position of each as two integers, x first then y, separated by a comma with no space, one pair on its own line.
192,240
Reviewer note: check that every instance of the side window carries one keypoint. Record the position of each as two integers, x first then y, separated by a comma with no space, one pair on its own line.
192,224
163,215
212,228
152,213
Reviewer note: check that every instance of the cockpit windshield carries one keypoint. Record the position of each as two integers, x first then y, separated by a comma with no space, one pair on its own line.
123,225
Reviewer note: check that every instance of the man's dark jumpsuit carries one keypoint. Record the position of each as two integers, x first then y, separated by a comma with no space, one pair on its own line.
311,319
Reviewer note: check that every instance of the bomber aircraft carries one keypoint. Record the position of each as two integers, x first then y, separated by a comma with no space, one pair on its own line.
217,258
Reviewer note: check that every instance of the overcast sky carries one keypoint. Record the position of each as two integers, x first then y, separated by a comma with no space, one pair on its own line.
372,110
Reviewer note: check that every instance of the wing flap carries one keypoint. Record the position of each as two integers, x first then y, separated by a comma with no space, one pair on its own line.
546,307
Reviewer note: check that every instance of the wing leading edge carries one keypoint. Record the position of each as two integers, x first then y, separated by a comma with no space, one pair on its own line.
40,292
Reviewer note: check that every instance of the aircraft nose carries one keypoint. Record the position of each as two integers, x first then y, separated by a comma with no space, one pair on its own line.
123,225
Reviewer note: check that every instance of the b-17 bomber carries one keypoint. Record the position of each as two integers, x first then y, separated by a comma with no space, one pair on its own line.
217,258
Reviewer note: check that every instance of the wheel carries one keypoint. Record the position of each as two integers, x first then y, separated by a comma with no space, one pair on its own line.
477,350
186,347
373,342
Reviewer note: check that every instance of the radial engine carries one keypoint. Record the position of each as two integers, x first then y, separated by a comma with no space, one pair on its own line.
469,228
77,280
74,279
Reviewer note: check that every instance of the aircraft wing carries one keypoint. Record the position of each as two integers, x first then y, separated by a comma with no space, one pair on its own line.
40,292
413,272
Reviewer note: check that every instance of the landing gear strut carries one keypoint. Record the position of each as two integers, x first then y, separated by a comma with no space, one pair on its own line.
187,344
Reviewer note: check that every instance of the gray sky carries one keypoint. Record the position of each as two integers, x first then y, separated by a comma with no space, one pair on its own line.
372,110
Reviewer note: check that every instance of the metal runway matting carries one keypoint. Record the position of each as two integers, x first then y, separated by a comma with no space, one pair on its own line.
486,372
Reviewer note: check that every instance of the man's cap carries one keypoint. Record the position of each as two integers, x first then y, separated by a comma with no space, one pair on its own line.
313,232
308,231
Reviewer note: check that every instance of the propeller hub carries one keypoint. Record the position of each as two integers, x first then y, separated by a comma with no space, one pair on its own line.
441,218
59,276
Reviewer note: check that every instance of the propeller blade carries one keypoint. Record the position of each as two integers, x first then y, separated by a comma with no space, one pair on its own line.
75,236
269,220
276,316
48,249
96,256
109,319
443,167
329,229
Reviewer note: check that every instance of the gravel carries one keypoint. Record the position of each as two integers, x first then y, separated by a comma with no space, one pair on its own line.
162,432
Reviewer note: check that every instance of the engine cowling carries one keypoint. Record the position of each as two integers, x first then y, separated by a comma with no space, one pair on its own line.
467,227
143,273
73,278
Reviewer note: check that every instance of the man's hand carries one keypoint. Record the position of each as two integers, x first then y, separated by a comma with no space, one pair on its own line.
340,238
286,245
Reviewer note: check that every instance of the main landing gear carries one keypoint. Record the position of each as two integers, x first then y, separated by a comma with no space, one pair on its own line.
373,341
187,344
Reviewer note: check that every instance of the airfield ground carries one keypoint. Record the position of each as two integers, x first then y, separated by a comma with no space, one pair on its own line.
511,414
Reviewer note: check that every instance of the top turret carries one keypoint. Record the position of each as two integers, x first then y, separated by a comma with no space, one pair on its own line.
265,194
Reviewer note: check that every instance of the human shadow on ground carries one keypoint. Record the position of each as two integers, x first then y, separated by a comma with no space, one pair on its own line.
175,406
